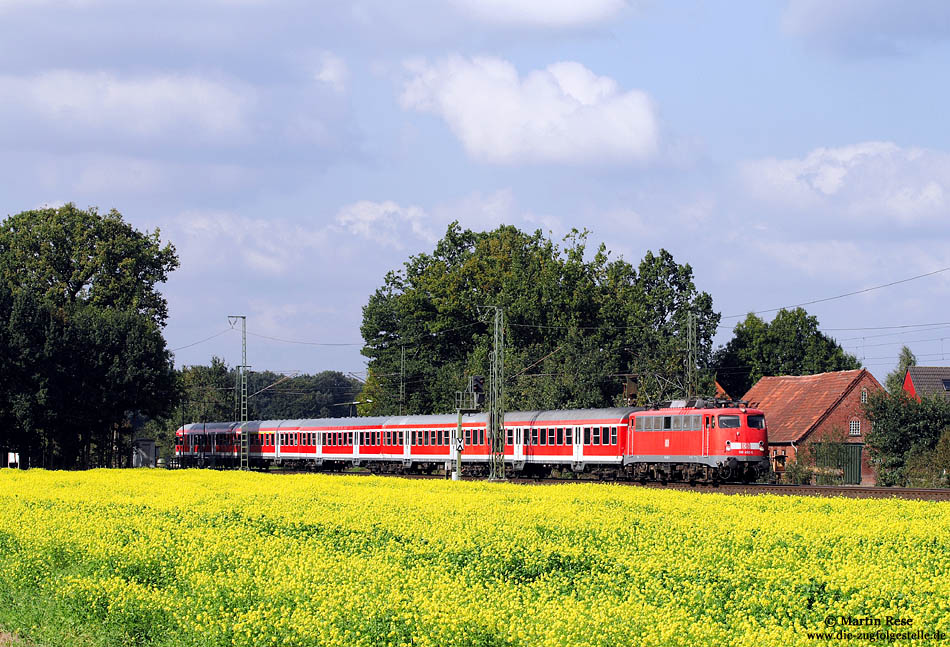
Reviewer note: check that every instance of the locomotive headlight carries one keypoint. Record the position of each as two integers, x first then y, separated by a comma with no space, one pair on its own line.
762,445
728,445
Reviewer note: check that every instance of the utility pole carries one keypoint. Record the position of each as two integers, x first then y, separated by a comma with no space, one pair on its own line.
402,378
496,399
245,436
690,354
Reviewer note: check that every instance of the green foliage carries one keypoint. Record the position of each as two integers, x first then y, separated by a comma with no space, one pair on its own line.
77,379
573,326
80,335
894,382
68,255
790,344
906,435
829,459
797,473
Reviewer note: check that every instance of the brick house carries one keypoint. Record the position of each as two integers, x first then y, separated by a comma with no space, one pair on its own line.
920,381
826,408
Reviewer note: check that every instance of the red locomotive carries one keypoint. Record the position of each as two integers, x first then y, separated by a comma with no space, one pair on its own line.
687,441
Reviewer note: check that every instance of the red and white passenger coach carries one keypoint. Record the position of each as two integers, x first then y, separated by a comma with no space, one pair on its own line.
690,441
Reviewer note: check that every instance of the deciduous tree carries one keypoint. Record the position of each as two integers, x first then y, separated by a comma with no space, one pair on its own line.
791,344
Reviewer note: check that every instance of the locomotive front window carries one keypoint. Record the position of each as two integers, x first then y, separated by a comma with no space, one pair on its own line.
757,422
728,422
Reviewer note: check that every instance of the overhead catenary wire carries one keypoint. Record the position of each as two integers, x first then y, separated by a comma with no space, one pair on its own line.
201,341
841,296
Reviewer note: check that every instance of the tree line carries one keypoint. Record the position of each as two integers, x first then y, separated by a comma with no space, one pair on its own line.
86,365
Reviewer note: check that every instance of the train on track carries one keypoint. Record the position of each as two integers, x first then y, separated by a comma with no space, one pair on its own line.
693,441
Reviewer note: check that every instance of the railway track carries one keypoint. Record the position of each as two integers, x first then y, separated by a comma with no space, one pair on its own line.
848,491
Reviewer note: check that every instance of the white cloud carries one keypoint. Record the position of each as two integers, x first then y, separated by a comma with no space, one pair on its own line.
273,246
564,113
542,13
479,211
332,71
144,107
385,223
870,180
867,26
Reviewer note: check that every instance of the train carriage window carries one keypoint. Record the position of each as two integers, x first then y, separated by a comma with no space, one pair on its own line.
596,436
400,438
613,435
534,436
677,423
587,435
481,436
509,437
560,435
468,437
728,422
552,436
544,436
569,436
695,423
638,425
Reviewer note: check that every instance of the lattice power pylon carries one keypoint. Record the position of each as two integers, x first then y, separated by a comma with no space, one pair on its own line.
496,399
245,435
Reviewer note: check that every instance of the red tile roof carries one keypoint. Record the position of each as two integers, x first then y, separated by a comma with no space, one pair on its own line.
795,404
721,392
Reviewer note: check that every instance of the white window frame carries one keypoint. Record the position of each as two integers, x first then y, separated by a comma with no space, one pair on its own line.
854,428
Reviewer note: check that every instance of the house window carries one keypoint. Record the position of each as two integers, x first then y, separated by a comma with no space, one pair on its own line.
946,385
864,396
855,428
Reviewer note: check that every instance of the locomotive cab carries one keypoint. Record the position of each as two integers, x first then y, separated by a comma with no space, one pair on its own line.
738,441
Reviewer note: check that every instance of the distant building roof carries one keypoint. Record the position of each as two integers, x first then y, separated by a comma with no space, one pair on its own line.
930,380
721,392
794,405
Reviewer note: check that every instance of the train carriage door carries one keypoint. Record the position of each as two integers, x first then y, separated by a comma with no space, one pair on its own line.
705,434
517,451
577,454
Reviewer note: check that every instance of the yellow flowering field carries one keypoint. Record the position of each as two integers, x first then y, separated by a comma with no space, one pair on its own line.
227,558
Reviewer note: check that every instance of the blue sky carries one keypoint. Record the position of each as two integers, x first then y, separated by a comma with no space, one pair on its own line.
294,152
